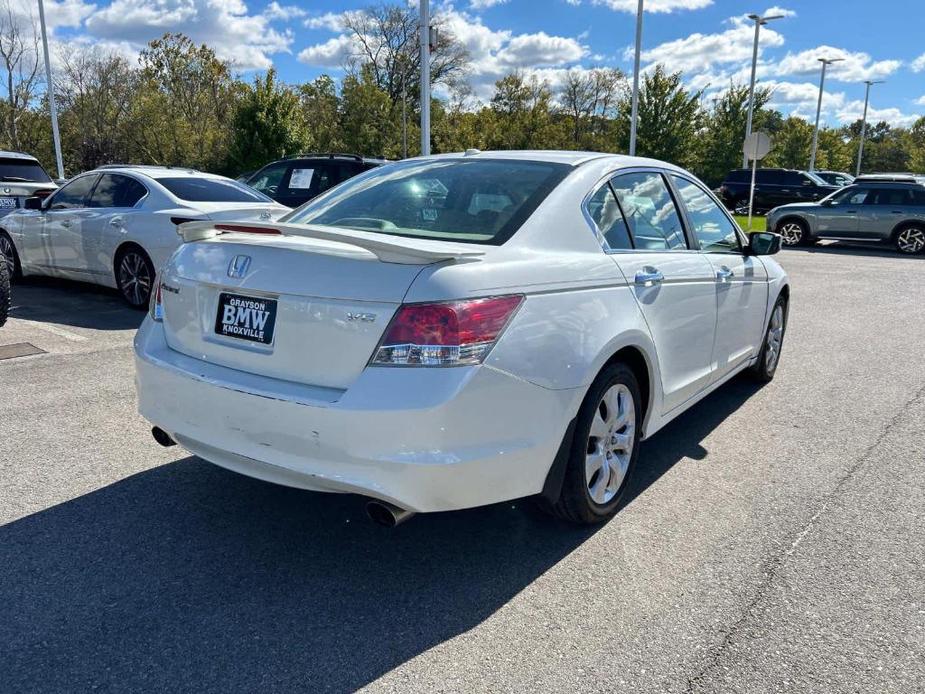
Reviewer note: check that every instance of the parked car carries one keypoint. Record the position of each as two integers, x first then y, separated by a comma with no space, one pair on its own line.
891,177
5,293
835,178
773,187
297,179
21,177
117,224
457,330
877,211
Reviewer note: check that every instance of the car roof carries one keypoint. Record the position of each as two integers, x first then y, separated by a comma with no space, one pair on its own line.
328,156
153,171
889,178
569,158
16,155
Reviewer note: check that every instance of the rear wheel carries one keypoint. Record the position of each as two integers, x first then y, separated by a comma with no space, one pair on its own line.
604,448
910,240
135,276
9,256
793,232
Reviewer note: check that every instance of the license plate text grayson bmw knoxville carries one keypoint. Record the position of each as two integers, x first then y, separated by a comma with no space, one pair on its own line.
246,317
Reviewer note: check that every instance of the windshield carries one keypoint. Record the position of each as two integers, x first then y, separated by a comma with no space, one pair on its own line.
473,201
211,190
15,170
815,179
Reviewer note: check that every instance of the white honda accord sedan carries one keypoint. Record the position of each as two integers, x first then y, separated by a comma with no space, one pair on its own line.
457,330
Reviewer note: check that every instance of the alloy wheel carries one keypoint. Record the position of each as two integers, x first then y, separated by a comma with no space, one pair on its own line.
774,340
791,233
135,278
610,444
911,240
9,254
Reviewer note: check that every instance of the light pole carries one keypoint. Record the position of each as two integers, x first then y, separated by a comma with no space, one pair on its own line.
759,22
635,111
425,77
857,171
812,156
52,108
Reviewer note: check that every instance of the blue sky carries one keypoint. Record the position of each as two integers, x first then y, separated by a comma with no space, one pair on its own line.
710,40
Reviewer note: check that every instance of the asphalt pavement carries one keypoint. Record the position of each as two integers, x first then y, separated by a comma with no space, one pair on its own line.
773,539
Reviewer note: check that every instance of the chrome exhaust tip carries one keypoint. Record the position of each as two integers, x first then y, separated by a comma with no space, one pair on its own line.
162,437
385,514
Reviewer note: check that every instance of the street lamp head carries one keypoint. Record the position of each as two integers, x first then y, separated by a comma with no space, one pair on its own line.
869,82
764,20
829,61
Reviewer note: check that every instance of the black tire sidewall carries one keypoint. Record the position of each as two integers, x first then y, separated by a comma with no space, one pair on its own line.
760,370
146,258
575,496
5,292
17,271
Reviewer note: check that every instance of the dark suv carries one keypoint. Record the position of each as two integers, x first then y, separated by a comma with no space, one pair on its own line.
297,179
773,187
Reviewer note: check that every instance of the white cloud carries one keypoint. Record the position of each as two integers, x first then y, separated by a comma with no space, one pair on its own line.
854,110
533,50
275,11
853,67
654,5
58,13
485,4
332,21
921,100
333,53
781,11
246,40
918,64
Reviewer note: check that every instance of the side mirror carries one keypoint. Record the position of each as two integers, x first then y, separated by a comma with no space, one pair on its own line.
763,243
827,203
33,203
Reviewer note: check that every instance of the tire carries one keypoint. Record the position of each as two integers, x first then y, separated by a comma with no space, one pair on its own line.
769,357
9,254
134,276
5,296
587,496
910,239
794,232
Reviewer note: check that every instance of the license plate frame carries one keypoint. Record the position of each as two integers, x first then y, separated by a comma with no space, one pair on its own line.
247,318
8,203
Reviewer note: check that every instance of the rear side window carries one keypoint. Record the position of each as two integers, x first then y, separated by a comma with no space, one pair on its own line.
711,226
650,211
473,201
115,190
15,170
73,194
604,210
895,196
738,176
918,197
211,190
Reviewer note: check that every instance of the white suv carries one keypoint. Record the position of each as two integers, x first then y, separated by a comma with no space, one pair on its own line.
117,224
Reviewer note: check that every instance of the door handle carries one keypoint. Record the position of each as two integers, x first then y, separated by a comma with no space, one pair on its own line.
115,222
65,223
724,274
851,211
896,212
649,277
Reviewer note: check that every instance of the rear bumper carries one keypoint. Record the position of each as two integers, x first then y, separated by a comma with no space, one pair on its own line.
423,439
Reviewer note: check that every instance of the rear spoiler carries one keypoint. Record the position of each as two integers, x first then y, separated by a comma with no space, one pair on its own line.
389,249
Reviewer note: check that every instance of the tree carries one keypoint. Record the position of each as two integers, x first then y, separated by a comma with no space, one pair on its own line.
267,124
522,110
320,108
792,143
588,100
19,56
366,121
724,131
669,121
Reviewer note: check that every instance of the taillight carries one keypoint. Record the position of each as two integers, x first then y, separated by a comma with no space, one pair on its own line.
456,333
157,306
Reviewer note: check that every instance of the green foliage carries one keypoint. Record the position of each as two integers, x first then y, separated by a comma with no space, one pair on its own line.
268,124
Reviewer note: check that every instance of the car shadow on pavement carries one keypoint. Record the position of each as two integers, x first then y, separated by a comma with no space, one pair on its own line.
189,577
77,304
859,249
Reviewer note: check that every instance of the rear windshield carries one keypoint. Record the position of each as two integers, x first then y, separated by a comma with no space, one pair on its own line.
211,190
22,171
472,201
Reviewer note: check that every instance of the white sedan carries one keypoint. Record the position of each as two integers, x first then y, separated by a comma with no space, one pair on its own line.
117,224
459,330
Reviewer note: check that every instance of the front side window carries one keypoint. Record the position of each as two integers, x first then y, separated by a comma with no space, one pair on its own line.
269,178
473,201
604,210
850,196
74,194
115,190
713,229
650,211
193,189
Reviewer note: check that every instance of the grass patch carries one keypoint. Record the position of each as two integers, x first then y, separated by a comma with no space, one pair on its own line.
758,223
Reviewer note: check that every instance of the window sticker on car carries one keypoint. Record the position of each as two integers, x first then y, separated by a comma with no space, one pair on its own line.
429,214
301,178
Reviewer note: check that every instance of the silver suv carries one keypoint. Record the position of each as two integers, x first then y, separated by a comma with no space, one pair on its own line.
870,211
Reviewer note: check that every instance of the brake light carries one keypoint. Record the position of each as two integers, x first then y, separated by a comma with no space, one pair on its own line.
247,229
157,306
456,333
